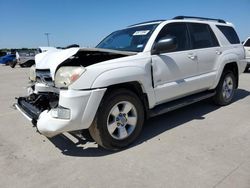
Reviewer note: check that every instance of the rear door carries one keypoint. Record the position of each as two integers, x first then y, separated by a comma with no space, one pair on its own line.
207,48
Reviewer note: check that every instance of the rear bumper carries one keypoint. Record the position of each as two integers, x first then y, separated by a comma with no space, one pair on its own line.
81,105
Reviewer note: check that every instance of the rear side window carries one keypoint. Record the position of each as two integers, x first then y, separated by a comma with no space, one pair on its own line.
230,34
202,36
178,30
247,43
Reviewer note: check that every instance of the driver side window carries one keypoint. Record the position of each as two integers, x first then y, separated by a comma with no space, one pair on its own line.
180,32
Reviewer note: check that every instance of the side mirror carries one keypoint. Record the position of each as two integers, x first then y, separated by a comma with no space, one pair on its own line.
164,45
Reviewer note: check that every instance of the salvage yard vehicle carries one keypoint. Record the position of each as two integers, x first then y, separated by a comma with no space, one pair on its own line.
26,59
246,45
7,59
144,70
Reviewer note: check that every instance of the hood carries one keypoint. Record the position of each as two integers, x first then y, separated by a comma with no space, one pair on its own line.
54,58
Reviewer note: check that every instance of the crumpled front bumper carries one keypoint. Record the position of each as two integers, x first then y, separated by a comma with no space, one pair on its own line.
81,106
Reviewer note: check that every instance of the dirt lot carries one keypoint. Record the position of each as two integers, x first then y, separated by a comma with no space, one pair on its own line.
197,146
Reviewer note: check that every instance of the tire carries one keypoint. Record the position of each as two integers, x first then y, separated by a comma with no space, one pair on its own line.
13,64
119,120
225,89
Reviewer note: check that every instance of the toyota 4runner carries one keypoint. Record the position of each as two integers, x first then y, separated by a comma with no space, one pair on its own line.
135,73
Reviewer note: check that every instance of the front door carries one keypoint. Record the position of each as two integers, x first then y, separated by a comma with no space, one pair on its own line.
174,72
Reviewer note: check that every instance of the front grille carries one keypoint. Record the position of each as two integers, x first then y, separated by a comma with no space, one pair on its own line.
44,76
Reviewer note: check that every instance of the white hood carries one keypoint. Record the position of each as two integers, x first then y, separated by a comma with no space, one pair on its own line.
52,58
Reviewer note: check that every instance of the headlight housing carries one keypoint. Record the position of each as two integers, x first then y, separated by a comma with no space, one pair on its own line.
67,75
32,73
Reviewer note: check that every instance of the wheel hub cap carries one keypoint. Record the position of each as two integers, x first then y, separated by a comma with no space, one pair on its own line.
122,120
227,88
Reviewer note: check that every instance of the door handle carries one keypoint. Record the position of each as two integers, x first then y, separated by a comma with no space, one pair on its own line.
192,56
218,52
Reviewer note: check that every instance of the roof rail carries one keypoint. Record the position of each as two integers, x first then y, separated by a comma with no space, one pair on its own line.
146,22
198,18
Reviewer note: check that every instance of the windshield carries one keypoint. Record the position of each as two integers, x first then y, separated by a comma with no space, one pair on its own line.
132,39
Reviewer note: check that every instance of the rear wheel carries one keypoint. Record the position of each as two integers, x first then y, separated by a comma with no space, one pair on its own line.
119,120
13,64
225,89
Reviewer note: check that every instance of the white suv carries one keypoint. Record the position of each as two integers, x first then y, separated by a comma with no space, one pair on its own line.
135,73
247,51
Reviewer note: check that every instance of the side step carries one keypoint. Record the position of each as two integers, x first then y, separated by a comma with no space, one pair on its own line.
179,103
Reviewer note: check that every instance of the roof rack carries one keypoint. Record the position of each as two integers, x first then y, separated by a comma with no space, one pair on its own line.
146,22
198,18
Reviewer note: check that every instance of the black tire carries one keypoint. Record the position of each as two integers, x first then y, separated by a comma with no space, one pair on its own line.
99,128
13,64
220,98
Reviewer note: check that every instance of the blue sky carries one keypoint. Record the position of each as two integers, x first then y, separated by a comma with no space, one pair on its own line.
24,22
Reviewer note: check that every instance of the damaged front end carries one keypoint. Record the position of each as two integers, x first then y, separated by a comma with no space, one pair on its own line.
50,105
33,105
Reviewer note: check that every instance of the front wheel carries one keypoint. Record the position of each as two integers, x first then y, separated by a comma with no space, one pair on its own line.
225,89
119,120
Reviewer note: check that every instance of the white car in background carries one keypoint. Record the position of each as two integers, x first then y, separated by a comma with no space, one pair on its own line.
247,52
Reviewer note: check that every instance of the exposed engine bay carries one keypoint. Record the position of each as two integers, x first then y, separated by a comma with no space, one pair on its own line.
93,55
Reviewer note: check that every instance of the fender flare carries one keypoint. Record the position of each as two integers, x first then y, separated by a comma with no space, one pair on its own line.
226,59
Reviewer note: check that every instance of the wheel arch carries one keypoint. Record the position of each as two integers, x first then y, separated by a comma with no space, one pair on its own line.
231,65
135,79
136,88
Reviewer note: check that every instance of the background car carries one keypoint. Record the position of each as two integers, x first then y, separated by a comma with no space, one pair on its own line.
26,58
247,52
7,59
2,53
